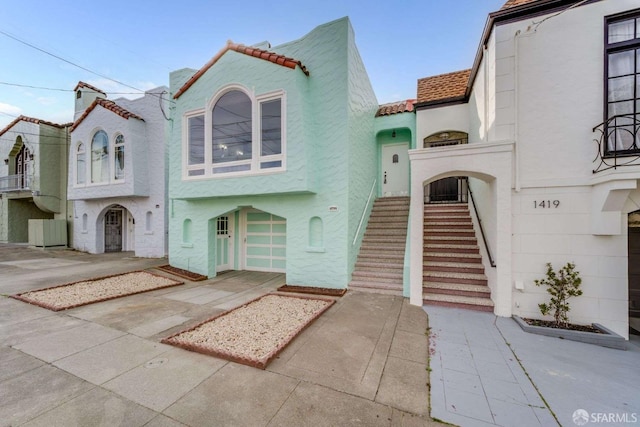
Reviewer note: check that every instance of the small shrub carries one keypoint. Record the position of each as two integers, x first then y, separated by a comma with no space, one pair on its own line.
561,286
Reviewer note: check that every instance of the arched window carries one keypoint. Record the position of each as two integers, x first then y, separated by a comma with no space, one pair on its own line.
232,131
118,156
81,165
84,223
100,157
443,138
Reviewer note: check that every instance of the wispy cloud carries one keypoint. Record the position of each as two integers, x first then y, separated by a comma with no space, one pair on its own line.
9,109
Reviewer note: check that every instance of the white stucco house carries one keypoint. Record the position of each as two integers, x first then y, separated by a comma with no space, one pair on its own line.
117,175
546,127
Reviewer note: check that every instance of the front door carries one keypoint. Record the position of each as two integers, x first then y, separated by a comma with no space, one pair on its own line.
224,243
113,230
395,170
444,190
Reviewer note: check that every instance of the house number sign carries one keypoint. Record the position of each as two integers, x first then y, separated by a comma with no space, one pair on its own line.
546,204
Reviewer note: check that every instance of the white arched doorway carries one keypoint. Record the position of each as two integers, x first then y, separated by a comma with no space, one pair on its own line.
490,163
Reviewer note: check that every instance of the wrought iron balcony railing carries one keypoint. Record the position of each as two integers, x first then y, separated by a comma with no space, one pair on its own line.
19,182
618,141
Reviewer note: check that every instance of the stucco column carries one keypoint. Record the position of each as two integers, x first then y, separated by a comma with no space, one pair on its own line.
416,242
504,286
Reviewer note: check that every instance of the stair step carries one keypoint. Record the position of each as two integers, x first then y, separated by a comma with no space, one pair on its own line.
446,207
453,267
449,233
449,224
377,276
390,219
376,266
480,291
379,257
378,288
454,277
458,301
451,257
374,241
449,218
447,213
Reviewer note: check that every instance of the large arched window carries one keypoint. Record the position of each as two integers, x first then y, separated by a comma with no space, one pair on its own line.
118,156
81,165
232,131
100,157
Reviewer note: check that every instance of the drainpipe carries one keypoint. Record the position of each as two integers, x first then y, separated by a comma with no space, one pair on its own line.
516,91
486,94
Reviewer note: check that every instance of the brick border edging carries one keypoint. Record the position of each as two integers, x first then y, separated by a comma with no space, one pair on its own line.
194,278
20,297
607,338
331,292
255,363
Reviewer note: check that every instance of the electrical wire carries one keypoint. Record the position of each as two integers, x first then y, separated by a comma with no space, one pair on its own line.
71,63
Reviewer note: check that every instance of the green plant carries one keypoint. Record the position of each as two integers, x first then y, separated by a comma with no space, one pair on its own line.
561,286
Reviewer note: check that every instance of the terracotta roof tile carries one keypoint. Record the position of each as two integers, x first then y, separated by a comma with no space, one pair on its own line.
32,120
88,86
109,105
443,87
285,61
396,108
513,3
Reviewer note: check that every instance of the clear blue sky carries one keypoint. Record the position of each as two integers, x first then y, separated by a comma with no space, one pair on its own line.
139,42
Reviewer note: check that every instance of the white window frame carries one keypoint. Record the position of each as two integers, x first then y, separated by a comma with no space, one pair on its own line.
124,146
112,164
75,164
186,167
256,132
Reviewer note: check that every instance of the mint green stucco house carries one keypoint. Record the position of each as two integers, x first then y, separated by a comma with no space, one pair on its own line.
274,158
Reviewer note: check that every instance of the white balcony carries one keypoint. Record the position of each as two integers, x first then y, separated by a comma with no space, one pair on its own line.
19,182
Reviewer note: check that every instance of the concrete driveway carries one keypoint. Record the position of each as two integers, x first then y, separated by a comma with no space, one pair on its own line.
363,362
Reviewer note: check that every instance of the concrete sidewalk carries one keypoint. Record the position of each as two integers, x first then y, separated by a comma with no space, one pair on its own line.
363,362
487,371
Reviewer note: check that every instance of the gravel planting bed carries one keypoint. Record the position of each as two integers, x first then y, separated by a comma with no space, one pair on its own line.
252,334
101,289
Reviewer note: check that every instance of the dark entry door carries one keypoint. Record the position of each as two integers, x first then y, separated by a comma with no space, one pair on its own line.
634,272
444,190
113,230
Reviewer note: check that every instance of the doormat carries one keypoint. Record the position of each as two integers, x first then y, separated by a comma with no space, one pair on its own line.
185,274
312,290
85,292
254,333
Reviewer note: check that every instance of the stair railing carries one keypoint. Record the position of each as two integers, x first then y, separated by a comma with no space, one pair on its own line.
484,238
364,212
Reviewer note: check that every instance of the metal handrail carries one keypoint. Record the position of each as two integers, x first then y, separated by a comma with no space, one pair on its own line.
484,239
364,212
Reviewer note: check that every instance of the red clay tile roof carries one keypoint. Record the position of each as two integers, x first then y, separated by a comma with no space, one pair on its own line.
88,86
247,50
396,108
32,120
514,3
443,87
109,105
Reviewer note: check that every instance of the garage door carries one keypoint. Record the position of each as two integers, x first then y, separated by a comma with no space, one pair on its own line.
265,248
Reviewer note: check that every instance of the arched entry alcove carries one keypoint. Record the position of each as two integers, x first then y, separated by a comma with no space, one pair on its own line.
491,165
115,229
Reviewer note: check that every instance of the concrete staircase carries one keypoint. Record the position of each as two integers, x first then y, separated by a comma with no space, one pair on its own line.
380,263
453,273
